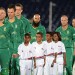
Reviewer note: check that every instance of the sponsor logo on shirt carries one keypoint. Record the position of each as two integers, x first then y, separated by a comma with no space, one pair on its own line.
59,46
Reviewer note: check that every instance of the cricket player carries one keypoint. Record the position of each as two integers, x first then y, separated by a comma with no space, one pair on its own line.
36,27
25,55
18,14
39,52
73,24
17,36
51,51
66,32
5,41
61,53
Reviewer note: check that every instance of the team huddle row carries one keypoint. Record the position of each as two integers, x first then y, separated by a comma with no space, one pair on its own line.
46,57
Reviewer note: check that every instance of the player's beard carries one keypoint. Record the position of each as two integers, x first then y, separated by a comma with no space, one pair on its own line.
36,24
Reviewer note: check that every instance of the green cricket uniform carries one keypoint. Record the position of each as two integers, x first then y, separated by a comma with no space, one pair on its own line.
74,37
17,38
26,23
67,36
33,32
74,46
5,42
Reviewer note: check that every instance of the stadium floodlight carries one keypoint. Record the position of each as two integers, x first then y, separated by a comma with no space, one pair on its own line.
51,5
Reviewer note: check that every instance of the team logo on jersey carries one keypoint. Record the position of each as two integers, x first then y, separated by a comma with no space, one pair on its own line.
4,28
42,48
67,32
15,26
38,31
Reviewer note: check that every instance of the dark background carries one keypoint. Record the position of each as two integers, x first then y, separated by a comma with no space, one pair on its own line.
62,7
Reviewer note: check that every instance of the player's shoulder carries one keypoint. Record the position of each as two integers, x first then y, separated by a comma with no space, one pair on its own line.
34,43
60,42
41,26
59,28
21,45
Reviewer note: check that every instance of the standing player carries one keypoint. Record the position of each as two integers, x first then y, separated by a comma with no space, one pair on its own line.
18,14
73,24
61,53
50,48
66,32
5,41
36,27
17,35
25,55
39,52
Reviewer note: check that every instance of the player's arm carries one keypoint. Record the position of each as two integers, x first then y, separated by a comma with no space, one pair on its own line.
44,61
44,33
21,30
34,62
64,54
54,61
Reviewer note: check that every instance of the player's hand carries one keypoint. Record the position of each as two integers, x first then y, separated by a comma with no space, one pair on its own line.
52,64
15,55
34,65
44,65
64,63
54,61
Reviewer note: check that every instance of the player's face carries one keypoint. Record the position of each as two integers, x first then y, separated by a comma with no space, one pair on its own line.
48,37
2,14
55,37
73,22
38,38
18,10
27,39
36,18
64,20
11,13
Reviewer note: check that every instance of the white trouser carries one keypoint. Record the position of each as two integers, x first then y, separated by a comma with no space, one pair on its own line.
39,67
59,68
73,72
25,67
48,70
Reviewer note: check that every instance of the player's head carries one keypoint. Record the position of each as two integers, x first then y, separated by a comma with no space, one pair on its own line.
64,20
36,19
39,37
49,36
27,37
19,9
56,36
2,13
11,11
73,22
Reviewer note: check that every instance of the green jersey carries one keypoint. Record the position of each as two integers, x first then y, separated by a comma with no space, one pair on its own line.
17,34
66,35
33,32
74,35
25,23
5,36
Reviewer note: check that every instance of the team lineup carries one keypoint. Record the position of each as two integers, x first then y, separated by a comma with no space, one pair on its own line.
26,48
